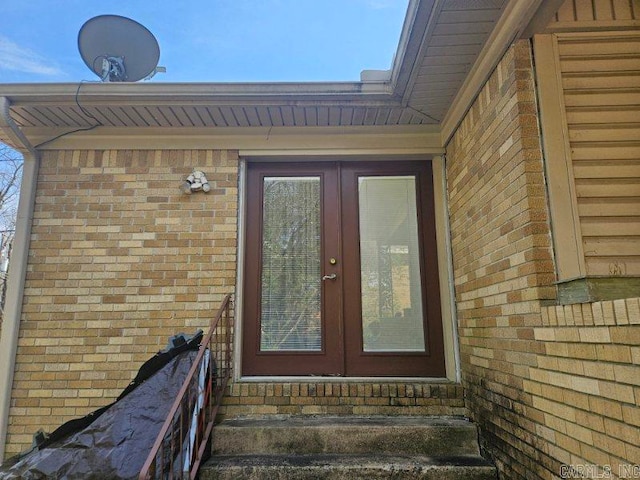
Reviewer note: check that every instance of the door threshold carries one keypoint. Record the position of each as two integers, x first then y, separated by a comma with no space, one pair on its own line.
337,379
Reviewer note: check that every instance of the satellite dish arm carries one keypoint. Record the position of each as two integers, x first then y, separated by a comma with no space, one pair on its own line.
155,70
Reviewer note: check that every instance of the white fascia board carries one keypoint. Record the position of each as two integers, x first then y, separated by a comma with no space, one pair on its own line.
412,36
176,93
424,138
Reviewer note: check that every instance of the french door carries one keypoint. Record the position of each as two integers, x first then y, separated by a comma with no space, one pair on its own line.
341,270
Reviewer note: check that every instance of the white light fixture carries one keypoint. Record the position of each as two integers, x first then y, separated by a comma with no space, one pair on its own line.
195,182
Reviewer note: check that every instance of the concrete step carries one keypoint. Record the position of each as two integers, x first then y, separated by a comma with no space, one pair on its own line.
346,467
433,436
348,447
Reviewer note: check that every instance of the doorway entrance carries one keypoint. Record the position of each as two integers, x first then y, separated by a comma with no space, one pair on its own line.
341,271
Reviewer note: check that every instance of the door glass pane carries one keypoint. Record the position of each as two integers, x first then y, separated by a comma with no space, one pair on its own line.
392,318
290,313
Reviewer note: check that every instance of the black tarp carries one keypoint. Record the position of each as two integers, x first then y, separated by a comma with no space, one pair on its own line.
114,441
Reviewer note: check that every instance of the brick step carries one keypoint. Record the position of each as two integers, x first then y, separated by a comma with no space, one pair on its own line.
334,397
347,467
346,447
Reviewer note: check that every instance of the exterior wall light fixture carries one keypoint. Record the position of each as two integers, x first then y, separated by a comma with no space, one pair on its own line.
195,182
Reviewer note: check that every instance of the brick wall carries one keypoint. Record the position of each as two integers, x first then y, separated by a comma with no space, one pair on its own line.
502,258
120,260
344,398
587,383
547,385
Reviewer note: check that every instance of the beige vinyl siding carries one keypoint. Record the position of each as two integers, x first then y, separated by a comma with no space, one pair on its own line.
601,87
582,15
598,10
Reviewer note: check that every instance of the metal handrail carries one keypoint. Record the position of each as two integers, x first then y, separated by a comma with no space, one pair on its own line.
180,445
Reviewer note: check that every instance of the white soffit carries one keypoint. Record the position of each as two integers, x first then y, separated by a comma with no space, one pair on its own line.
440,42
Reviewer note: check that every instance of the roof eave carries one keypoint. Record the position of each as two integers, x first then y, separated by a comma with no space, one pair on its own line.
518,18
514,23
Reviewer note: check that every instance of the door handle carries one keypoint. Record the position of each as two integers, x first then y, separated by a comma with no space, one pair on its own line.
333,276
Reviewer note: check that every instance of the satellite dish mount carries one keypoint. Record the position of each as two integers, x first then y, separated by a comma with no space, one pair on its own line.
113,69
118,49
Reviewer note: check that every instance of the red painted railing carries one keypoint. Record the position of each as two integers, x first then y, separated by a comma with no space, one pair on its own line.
181,444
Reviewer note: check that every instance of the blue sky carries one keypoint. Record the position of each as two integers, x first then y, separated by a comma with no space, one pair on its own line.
210,41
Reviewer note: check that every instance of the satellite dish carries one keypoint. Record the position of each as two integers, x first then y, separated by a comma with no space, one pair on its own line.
118,49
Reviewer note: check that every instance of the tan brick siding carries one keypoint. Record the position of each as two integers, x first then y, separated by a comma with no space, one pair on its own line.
120,260
547,385
502,259
587,383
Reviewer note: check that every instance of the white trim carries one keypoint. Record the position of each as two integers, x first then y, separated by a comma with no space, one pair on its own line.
337,140
174,93
560,182
15,284
240,262
542,17
350,154
445,270
434,11
399,57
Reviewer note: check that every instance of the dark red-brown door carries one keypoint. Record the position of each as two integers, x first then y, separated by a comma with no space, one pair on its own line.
341,270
